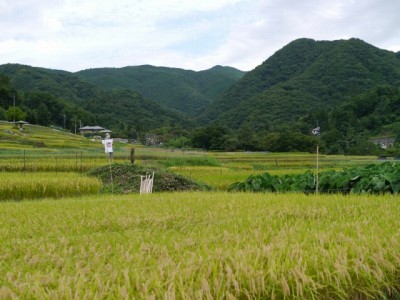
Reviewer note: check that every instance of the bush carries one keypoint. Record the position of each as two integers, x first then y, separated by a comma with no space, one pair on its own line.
126,179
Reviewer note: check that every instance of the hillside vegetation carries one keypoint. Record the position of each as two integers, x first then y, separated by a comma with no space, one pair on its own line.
304,76
348,88
60,98
183,90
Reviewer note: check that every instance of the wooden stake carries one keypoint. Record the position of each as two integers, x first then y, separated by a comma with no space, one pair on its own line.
316,176
111,176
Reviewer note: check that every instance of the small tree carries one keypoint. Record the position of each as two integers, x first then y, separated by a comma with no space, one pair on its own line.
15,114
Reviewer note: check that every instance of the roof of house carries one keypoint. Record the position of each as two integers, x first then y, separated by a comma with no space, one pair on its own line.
383,139
20,122
91,128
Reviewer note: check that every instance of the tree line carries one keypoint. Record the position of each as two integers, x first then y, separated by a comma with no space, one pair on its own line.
345,129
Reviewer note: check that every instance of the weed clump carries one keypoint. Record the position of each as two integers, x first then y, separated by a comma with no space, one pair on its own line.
126,179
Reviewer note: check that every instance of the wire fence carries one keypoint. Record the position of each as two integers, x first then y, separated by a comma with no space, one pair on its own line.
62,160
74,162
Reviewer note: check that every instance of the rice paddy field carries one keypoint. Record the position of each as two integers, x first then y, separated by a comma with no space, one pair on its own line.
201,246
17,186
61,239
40,149
233,167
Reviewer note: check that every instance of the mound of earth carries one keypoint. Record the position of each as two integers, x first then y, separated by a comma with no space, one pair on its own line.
126,179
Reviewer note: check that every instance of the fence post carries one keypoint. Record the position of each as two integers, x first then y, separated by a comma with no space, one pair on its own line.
316,178
132,157
111,177
24,162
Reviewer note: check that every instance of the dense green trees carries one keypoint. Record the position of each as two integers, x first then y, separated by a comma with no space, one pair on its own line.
7,92
15,114
212,137
51,97
348,127
303,77
218,137
186,91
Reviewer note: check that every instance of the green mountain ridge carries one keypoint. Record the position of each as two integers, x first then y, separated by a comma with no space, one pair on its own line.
303,76
123,111
183,90
347,87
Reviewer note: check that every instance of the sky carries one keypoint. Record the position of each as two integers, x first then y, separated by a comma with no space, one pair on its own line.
73,35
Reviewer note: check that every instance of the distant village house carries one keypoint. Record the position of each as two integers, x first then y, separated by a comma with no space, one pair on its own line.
153,139
383,142
92,130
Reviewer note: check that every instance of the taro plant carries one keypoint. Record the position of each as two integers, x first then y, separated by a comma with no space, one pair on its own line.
373,179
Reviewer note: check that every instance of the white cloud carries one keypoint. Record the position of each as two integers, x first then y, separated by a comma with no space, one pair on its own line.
196,34
277,22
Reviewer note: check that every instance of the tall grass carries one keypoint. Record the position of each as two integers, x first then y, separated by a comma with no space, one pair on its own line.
18,186
201,246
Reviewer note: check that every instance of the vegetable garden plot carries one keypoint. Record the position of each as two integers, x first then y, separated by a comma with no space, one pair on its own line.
374,179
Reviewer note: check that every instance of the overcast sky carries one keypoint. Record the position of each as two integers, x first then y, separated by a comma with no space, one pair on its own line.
74,35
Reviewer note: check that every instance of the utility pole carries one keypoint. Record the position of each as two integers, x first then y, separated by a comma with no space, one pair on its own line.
14,105
65,121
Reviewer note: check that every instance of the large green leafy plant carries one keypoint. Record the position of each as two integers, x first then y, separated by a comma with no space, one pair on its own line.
373,179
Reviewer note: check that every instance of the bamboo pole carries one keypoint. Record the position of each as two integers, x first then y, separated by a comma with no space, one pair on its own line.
111,176
316,176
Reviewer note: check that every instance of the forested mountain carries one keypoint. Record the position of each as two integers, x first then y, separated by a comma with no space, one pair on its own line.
302,77
60,98
348,88
184,90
